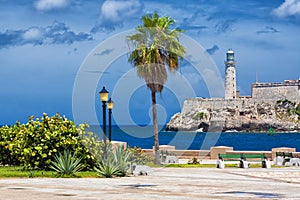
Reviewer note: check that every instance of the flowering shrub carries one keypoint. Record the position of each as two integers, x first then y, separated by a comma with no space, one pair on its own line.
34,144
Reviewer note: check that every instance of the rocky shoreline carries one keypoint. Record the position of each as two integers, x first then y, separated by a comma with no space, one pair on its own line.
278,116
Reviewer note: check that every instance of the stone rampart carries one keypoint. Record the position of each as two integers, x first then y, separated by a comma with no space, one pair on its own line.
276,91
243,114
197,104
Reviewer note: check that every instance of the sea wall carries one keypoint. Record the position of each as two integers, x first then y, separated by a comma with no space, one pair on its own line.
215,150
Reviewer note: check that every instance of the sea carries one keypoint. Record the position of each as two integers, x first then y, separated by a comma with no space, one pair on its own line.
142,136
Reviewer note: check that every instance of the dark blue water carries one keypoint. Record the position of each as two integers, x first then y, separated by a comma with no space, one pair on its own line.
143,137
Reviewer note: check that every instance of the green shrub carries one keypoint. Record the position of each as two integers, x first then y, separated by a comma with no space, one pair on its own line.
199,116
6,138
66,163
33,144
298,111
194,161
138,156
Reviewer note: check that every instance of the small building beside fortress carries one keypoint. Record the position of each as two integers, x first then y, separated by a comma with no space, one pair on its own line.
271,105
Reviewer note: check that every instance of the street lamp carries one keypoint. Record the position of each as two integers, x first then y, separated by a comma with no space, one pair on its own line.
104,97
110,105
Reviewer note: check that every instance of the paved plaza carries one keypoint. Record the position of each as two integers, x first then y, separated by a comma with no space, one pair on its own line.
164,183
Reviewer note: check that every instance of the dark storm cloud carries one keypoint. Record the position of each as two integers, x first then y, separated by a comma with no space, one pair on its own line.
104,52
212,50
225,26
267,29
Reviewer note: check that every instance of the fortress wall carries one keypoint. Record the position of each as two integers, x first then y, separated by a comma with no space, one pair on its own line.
276,92
261,92
195,104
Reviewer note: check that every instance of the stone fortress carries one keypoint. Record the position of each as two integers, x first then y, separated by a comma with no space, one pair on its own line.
271,107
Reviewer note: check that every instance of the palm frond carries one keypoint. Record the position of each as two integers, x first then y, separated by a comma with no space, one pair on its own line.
155,46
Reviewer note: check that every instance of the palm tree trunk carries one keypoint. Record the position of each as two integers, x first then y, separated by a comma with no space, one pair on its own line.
155,128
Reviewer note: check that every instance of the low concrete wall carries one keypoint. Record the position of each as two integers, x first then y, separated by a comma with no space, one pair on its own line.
214,151
282,149
118,143
183,154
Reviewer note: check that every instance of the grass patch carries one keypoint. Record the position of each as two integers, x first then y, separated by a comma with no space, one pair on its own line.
191,165
19,172
87,174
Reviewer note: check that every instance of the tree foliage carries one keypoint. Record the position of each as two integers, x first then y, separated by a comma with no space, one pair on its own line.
156,45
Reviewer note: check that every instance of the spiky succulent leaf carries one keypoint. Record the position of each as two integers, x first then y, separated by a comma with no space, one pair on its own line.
66,163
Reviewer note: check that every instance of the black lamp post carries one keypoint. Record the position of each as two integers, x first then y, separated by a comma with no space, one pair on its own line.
110,105
104,97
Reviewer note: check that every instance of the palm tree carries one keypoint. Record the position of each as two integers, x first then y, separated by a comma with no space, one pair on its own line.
156,46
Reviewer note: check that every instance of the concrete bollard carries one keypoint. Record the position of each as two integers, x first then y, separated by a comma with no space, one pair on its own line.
295,162
266,163
244,164
220,164
278,160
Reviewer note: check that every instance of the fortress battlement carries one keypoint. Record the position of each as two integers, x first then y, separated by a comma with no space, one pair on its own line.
289,89
285,83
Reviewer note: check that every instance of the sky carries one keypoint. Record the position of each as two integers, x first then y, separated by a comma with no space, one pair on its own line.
56,55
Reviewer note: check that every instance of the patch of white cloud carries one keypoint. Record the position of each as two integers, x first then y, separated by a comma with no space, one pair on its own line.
32,34
288,8
57,33
114,12
46,5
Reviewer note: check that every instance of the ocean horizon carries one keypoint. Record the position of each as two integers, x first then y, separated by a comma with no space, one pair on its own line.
142,136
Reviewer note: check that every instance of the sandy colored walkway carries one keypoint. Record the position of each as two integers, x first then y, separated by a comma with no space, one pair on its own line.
165,183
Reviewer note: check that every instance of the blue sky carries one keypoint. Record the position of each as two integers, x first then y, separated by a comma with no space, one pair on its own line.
45,45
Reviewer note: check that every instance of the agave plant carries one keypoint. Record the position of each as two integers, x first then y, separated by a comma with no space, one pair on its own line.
116,162
108,168
66,163
122,158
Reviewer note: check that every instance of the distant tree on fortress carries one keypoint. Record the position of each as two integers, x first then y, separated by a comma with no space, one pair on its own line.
156,46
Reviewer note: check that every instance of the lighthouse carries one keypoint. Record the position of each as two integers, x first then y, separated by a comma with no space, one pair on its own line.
230,76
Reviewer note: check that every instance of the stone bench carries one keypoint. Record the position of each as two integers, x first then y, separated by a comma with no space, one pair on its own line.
171,159
138,170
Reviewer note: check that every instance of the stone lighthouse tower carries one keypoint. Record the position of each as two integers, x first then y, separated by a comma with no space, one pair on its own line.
230,76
